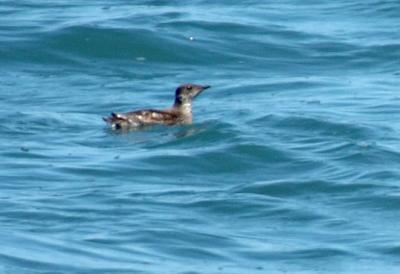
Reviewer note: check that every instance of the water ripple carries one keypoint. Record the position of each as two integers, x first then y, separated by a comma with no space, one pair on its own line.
291,165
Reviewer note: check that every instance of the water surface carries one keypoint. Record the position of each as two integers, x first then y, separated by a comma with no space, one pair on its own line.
291,166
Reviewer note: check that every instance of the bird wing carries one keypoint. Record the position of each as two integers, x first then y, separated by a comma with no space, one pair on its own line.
142,117
153,116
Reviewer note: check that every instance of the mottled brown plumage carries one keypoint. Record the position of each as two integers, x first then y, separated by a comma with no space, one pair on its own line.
179,113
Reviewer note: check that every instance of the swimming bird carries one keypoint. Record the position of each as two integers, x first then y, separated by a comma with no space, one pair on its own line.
179,113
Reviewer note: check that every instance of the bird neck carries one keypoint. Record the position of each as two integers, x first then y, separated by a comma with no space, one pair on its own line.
185,110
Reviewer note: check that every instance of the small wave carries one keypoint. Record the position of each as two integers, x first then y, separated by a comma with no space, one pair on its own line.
301,188
314,125
135,44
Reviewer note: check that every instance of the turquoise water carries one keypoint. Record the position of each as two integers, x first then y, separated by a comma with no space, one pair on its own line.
291,166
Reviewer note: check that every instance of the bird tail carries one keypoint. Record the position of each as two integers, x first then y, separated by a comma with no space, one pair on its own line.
116,120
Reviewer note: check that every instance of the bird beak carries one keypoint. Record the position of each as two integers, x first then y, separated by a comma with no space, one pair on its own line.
200,89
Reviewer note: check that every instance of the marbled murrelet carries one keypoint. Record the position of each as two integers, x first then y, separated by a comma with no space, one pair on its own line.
179,113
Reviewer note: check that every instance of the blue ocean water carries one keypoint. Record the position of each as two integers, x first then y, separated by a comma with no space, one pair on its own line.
291,166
